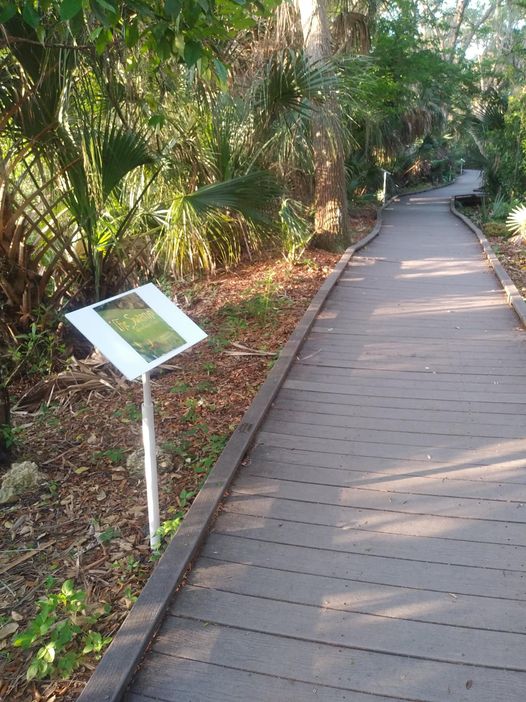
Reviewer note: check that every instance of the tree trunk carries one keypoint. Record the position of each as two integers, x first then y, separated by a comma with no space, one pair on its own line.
4,423
330,194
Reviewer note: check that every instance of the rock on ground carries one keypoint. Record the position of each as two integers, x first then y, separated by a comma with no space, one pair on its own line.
23,477
135,462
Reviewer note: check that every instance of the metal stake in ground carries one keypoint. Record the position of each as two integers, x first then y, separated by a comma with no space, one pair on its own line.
150,461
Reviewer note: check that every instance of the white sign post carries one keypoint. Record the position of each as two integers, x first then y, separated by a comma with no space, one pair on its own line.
138,331
386,173
150,461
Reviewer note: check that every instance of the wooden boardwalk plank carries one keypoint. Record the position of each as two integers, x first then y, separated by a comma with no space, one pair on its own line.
403,502
392,399
350,406
510,472
379,600
335,427
344,519
353,670
385,482
373,547
495,649
243,546
298,436
427,379
382,419
176,680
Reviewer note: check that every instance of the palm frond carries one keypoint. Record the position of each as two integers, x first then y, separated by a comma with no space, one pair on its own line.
249,195
289,85
215,223
121,151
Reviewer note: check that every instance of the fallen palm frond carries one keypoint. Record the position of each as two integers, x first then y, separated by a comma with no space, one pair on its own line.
84,378
242,350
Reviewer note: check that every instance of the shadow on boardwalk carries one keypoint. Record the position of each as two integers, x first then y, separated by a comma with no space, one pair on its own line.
373,546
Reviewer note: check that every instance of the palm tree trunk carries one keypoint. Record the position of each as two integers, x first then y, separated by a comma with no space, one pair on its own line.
4,424
330,194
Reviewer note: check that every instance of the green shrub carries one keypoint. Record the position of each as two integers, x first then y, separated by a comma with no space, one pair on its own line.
497,229
60,635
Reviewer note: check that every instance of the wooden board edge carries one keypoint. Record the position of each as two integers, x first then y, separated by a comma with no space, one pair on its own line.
111,677
426,190
515,299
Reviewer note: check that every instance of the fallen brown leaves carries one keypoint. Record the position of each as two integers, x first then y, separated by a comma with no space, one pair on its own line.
512,255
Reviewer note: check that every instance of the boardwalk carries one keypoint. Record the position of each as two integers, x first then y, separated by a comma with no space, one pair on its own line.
373,548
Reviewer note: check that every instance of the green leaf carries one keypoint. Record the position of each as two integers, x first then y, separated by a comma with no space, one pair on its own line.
7,12
41,33
47,653
249,194
34,670
131,34
172,8
24,640
67,588
70,8
157,121
93,642
103,39
30,16
221,70
193,51
106,6
67,663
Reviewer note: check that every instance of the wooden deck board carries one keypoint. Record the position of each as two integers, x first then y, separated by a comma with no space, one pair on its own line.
344,428
286,520
386,482
495,649
298,556
373,548
511,472
404,502
379,600
353,670
332,415
298,436
449,399
176,680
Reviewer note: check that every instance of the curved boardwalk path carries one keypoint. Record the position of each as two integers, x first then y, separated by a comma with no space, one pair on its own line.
373,549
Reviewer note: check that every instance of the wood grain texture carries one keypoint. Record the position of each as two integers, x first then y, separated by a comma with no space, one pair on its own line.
495,649
351,596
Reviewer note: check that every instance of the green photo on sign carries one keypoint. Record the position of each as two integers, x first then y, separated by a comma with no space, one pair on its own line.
144,330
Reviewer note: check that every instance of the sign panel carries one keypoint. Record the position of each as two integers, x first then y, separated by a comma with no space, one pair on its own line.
137,330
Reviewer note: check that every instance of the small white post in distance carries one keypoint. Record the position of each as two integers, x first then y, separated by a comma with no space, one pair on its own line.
150,461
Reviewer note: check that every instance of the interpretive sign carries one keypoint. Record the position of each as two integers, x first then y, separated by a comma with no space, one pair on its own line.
137,330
